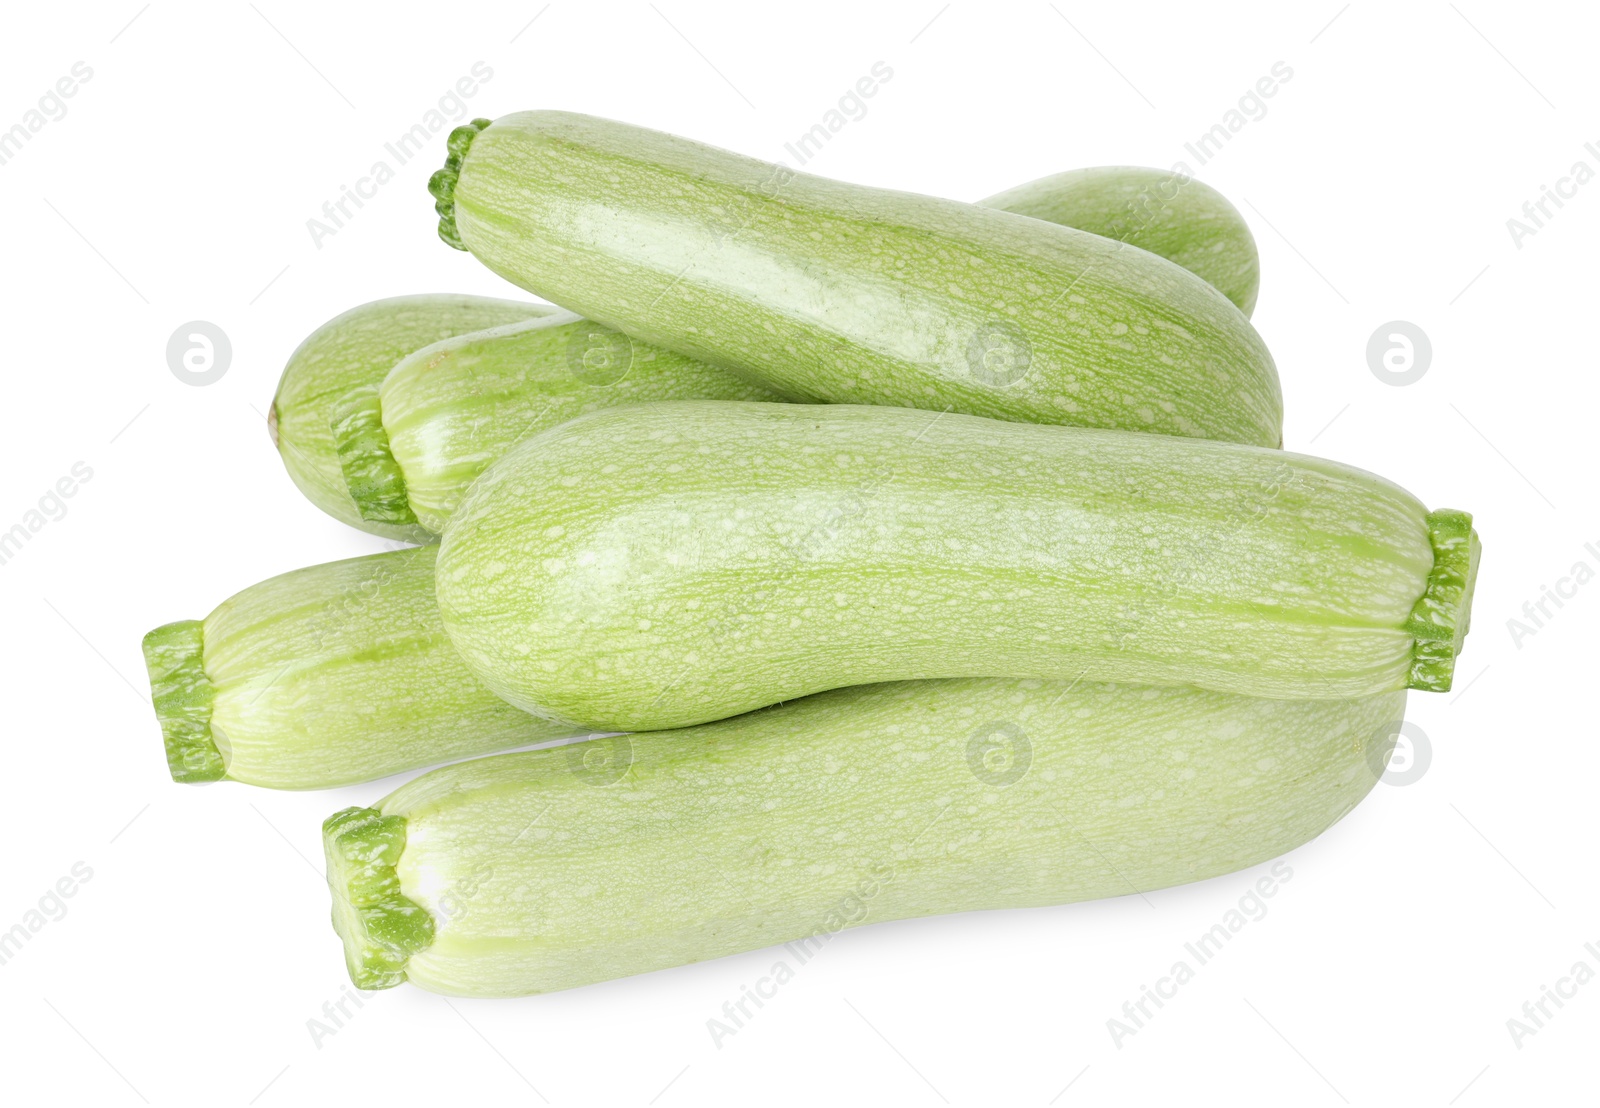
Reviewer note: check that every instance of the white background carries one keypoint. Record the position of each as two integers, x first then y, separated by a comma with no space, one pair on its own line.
177,187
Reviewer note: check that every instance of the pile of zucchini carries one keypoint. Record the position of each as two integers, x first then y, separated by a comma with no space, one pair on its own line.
836,546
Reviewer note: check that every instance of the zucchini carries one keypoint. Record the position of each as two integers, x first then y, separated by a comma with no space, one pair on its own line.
1184,220
411,447
832,292
325,676
667,564
529,872
354,349
413,444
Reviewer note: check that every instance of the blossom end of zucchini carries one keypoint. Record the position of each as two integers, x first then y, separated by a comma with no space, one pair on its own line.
442,185
1443,613
174,656
380,926
374,478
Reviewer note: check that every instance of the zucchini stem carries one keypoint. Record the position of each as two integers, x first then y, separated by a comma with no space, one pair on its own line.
443,183
380,926
1442,614
374,478
182,695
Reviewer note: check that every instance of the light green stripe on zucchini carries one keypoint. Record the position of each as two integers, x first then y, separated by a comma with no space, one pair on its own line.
326,676
834,292
352,350
526,873
668,564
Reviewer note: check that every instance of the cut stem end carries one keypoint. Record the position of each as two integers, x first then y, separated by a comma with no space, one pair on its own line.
370,471
443,183
1441,616
380,927
174,656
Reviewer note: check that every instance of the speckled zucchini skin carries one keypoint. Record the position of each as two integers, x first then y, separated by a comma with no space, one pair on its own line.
326,676
1183,219
524,873
834,292
668,564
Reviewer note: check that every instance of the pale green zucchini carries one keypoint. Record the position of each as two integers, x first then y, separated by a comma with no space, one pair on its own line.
325,676
525,873
411,447
667,564
836,292
359,348
1184,220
